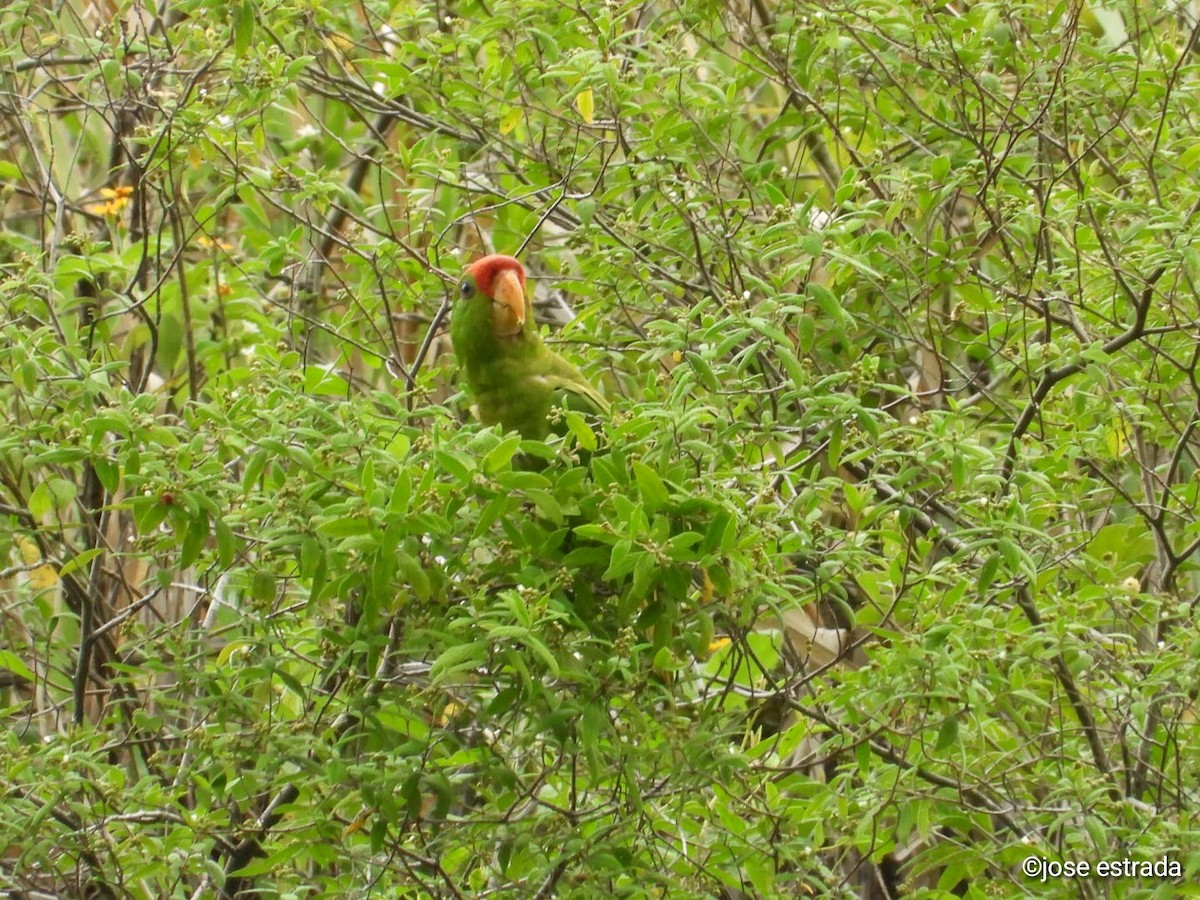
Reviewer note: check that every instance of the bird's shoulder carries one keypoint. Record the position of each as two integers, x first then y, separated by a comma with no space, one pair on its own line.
571,389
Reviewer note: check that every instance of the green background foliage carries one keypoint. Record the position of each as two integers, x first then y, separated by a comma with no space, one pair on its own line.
896,306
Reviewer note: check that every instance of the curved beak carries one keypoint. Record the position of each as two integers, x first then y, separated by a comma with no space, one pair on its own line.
508,304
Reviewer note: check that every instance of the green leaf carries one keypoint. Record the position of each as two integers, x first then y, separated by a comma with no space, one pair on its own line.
149,513
1189,157
77,562
193,540
263,586
458,658
543,652
457,465
622,559
652,489
41,501
12,663
987,573
947,734
226,543
346,526
547,505
703,371
324,381
108,472
243,27
61,455
582,432
415,575
254,469
501,455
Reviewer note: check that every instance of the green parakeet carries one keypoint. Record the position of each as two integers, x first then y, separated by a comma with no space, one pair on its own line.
516,380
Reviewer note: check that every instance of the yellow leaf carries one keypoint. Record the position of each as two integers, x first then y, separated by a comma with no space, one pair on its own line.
449,711
43,577
511,120
29,551
585,102
359,821
1117,440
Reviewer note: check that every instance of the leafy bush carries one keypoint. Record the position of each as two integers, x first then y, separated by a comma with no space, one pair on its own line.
895,304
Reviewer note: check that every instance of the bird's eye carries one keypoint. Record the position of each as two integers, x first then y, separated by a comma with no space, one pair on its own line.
466,289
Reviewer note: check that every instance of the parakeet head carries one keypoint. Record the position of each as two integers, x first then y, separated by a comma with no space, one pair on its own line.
496,282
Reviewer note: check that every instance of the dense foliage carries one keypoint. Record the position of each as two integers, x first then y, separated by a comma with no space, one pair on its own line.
896,306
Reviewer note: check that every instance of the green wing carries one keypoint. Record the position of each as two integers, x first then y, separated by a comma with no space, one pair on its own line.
523,394
570,389
553,384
